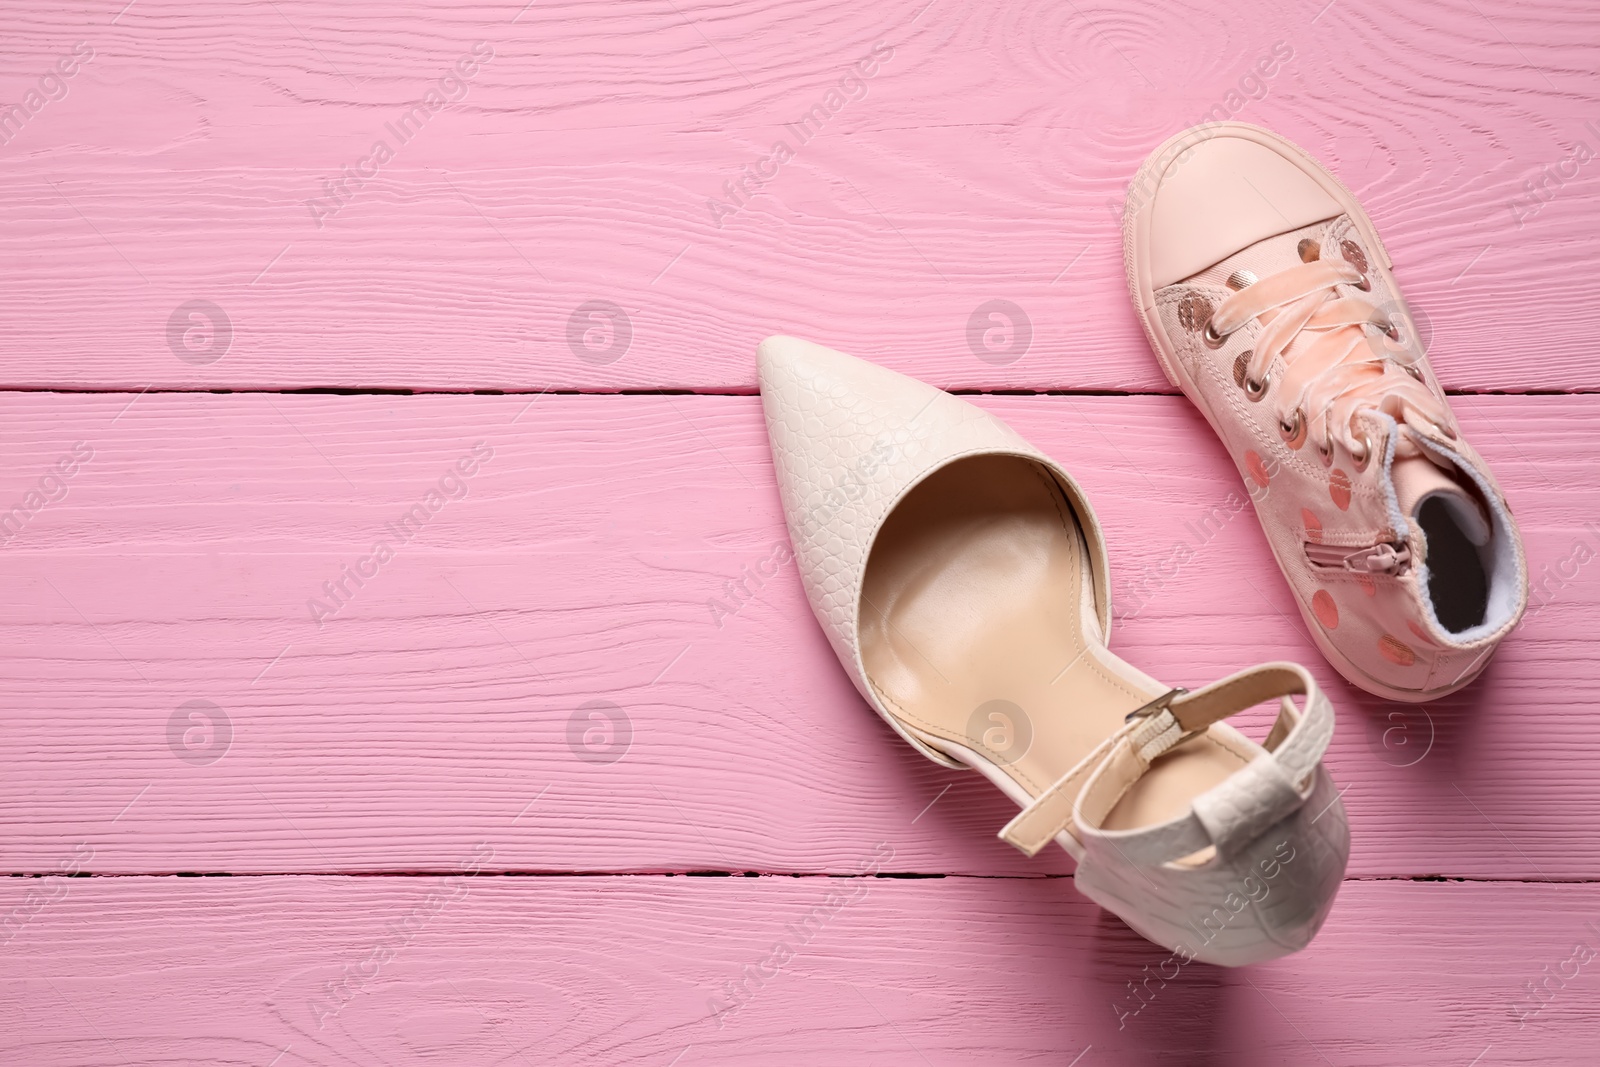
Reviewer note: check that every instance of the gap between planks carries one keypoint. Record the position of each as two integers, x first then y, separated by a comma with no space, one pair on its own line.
379,390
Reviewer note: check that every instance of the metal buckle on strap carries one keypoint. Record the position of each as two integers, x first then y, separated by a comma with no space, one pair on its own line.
1163,703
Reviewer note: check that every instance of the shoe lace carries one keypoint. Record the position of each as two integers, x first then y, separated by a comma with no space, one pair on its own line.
1344,373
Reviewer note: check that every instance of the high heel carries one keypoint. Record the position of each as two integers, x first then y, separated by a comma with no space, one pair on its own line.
961,577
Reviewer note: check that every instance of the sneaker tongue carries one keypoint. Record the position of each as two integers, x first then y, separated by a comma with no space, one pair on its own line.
1417,479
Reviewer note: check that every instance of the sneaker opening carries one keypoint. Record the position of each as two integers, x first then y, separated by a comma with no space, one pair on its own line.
1458,572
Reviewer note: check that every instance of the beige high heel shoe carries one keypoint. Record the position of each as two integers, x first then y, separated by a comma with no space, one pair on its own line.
961,577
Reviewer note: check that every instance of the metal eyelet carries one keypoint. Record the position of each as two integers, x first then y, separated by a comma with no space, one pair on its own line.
1389,329
1293,430
1413,370
1211,337
1365,457
1256,390
1326,455
1365,284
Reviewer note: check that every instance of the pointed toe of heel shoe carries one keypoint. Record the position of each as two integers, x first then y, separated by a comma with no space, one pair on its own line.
962,579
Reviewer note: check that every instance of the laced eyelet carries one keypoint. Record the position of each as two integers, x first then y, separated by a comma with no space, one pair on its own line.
1256,390
1325,454
1413,370
1394,333
1365,457
1293,429
1365,284
1211,337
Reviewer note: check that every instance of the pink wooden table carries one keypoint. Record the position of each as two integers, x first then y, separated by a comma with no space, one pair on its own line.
536,783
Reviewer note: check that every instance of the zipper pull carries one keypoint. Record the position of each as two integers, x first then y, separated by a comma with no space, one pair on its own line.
1386,557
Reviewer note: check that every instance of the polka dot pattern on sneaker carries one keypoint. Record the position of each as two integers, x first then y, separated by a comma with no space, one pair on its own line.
1339,489
1257,469
1396,651
1312,524
1326,611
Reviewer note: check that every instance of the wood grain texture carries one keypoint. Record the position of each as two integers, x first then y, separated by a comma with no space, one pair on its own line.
351,972
174,702
981,161
586,563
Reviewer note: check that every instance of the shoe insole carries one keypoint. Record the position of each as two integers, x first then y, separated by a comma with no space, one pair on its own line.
978,627
1457,583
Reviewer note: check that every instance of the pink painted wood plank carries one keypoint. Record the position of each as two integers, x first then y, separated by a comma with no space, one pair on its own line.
981,161
351,972
583,565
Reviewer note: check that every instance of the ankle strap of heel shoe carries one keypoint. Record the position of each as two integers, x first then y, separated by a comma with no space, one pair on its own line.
1227,816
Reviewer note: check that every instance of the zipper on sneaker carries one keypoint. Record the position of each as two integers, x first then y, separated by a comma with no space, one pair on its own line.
1385,557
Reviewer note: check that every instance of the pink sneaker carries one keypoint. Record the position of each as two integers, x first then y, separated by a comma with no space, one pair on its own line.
1268,299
